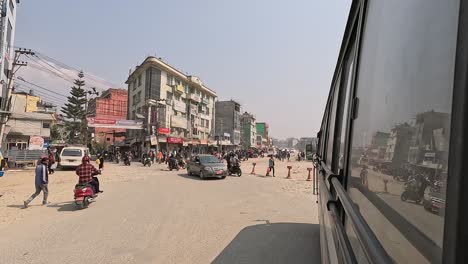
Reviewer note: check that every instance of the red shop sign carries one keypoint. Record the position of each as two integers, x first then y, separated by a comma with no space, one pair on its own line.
174,140
164,130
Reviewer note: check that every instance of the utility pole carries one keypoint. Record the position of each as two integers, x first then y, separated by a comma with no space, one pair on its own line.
155,103
93,92
6,100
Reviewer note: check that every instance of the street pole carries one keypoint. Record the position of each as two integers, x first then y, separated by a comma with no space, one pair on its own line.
94,92
149,126
5,105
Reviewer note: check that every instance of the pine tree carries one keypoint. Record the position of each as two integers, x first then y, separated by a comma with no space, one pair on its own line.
74,110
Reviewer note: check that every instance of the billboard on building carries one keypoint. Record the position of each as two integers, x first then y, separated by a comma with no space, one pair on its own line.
180,106
114,123
36,142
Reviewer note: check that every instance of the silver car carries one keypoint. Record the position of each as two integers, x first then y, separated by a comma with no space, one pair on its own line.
206,166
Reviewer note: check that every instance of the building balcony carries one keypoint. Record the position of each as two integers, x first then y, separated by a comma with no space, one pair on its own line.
195,97
205,101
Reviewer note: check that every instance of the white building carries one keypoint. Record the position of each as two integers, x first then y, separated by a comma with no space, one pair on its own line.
186,116
7,37
26,124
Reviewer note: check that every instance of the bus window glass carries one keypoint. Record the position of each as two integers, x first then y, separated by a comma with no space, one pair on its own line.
331,123
399,148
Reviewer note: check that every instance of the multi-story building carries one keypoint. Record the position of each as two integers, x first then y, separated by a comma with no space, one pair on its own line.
27,128
184,118
227,114
7,36
378,145
262,131
111,105
398,144
429,141
248,130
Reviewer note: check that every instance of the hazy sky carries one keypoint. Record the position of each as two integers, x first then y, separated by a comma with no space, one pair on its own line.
275,57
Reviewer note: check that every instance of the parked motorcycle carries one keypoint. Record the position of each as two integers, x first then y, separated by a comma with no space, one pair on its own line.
84,194
236,170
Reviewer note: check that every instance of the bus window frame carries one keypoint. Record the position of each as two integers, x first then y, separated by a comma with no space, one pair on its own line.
456,211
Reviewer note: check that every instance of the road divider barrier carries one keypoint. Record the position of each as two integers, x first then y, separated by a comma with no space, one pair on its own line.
308,176
253,168
289,172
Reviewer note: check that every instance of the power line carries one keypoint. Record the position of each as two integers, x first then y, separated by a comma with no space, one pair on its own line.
89,75
45,97
23,80
30,88
66,78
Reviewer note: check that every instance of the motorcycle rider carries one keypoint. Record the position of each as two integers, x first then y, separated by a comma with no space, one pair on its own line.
234,162
85,172
172,162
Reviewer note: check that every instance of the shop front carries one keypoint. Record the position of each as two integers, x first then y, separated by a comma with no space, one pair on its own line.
174,143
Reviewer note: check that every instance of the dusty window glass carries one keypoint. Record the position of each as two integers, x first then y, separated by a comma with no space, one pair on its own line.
400,140
331,122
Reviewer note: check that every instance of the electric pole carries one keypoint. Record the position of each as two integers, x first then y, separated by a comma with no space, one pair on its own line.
6,100
93,92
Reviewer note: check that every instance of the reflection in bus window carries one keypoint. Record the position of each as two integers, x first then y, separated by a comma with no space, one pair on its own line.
399,146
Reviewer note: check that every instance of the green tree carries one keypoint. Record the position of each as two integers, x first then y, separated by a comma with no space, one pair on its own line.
74,110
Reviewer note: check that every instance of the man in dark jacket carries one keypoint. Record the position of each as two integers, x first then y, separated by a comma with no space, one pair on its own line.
41,182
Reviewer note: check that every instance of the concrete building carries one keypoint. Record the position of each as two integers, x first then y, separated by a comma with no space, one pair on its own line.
27,128
303,141
398,144
263,138
429,142
227,114
248,131
7,37
378,145
184,119
112,104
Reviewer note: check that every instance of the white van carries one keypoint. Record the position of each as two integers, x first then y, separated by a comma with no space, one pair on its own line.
70,157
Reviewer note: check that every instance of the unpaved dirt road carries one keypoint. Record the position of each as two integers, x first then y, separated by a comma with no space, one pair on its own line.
151,215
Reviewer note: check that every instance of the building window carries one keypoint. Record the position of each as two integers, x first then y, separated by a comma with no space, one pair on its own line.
134,84
8,40
152,84
108,139
134,100
139,97
207,123
170,80
133,115
45,125
139,80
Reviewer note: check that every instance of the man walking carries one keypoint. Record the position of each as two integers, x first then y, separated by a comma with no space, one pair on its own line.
271,165
288,155
41,182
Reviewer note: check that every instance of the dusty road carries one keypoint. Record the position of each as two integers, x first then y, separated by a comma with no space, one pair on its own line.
151,215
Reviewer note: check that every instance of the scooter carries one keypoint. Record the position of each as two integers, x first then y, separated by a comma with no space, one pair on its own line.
84,194
147,161
181,163
414,189
235,169
173,164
